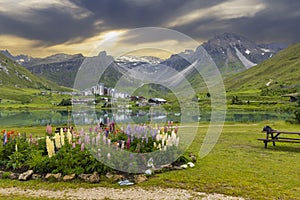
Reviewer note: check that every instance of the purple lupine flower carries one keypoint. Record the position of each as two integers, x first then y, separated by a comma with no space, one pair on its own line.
79,141
82,147
147,140
106,132
5,138
128,127
131,156
127,132
81,132
87,139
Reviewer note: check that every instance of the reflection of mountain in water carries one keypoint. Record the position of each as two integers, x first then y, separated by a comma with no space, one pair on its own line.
37,118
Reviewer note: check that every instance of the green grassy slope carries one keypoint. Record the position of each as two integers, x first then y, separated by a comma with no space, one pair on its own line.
282,70
15,75
17,83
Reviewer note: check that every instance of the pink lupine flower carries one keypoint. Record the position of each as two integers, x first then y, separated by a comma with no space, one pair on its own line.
73,145
97,139
176,129
165,129
49,129
82,147
128,143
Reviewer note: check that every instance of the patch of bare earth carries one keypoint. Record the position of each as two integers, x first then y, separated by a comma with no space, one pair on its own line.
111,193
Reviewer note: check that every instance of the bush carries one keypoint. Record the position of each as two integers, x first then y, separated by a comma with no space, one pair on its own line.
20,152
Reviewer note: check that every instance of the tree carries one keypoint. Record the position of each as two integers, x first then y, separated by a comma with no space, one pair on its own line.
65,102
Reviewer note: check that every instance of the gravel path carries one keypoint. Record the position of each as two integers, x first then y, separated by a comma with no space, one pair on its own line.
110,193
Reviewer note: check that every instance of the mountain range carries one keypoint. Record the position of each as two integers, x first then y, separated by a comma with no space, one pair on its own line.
230,52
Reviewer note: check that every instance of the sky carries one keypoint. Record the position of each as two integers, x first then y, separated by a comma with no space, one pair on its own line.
42,28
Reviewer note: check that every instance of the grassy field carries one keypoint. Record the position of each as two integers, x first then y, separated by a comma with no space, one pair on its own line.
238,166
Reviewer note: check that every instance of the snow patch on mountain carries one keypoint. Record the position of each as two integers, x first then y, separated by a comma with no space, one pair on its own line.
265,50
4,69
247,63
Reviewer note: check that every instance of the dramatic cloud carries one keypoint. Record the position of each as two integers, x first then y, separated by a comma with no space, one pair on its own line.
72,25
227,10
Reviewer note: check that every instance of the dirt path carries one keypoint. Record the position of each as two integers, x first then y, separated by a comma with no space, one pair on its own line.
110,193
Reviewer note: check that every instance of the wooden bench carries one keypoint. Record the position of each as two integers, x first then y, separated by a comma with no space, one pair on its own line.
273,136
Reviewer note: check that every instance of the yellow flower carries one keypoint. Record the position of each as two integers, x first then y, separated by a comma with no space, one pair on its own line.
50,147
57,140
62,138
69,136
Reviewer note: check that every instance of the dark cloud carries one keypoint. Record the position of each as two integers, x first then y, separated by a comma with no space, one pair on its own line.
278,22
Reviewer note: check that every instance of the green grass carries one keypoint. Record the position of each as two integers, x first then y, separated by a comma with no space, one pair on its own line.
238,166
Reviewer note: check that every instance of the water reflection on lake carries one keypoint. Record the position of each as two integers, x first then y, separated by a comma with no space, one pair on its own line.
35,118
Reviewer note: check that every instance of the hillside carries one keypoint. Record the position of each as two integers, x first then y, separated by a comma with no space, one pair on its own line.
59,68
14,78
279,73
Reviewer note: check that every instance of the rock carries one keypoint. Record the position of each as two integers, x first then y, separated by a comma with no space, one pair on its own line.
1,173
55,176
109,175
94,178
85,177
148,172
14,176
36,176
177,167
190,164
26,175
140,178
167,166
193,157
184,166
69,177
117,178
